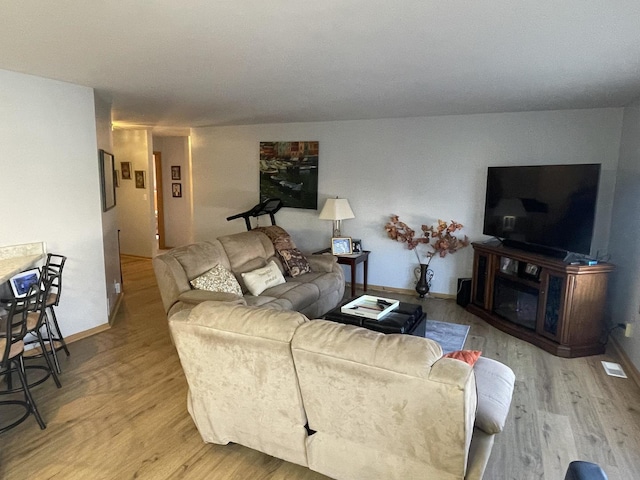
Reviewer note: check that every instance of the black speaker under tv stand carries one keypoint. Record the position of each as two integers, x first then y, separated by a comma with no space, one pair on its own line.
534,248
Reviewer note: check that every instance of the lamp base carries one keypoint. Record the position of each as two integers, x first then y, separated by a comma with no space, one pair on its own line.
336,228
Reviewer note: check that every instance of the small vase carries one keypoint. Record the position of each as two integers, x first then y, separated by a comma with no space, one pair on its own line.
424,279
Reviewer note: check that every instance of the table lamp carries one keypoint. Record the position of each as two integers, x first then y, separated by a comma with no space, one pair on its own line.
336,209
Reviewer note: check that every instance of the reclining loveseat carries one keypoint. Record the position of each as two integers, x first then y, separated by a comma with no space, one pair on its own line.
342,400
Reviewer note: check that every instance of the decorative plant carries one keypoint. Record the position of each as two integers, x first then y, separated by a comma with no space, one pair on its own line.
438,239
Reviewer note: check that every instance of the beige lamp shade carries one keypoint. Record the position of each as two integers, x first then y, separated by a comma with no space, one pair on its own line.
336,209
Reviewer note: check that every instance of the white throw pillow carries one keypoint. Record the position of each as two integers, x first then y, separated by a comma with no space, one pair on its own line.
259,280
218,279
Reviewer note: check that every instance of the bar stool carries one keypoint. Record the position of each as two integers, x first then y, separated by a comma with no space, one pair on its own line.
52,271
36,322
13,328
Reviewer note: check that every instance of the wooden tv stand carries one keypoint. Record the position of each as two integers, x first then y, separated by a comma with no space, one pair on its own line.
540,299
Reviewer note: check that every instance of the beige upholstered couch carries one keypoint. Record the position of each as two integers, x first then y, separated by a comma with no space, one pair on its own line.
344,401
313,293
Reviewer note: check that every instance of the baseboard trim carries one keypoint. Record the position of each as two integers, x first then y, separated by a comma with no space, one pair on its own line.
402,291
36,350
87,333
116,307
627,364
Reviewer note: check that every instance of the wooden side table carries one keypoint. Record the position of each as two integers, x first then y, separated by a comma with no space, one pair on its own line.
352,261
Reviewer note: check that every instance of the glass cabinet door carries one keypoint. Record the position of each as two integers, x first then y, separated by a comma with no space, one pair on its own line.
480,280
553,301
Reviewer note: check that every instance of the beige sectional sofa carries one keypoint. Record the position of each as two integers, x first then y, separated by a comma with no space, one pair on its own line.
313,293
344,401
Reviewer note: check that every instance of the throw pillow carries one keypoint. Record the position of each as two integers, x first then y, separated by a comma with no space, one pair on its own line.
260,279
467,356
294,261
218,279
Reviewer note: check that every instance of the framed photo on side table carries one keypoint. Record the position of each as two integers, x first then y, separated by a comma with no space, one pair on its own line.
341,246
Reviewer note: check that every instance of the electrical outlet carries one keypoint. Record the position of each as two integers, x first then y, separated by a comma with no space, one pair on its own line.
628,331
116,286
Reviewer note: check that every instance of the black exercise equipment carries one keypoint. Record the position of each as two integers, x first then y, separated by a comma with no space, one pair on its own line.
269,206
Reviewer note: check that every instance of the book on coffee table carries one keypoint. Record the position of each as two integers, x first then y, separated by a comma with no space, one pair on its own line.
370,307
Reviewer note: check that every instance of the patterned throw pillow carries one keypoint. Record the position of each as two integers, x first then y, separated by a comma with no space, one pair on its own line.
260,279
467,356
218,279
294,261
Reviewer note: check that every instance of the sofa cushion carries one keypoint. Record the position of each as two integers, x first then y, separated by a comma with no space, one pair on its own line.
494,382
322,263
247,250
257,281
325,282
299,295
218,279
195,297
197,258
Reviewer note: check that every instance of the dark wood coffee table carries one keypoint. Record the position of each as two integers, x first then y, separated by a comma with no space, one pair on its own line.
407,319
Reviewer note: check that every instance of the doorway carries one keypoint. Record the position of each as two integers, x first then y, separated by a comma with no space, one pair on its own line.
158,200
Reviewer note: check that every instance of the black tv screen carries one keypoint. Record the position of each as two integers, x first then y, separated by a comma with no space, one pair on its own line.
551,205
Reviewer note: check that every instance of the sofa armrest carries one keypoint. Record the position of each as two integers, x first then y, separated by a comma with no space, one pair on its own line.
194,297
495,383
322,263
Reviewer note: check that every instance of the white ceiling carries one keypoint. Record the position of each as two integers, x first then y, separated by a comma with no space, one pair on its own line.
221,62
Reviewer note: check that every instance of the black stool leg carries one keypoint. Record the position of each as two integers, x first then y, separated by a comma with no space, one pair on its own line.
27,393
54,354
45,354
58,333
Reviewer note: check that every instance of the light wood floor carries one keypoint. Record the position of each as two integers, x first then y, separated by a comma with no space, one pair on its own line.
121,412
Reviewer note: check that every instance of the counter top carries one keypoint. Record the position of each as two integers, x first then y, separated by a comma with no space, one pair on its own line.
16,258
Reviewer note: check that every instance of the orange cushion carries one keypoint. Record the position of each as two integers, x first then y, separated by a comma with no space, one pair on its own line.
467,356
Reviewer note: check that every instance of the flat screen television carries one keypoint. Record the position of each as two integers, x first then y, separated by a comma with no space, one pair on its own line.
547,208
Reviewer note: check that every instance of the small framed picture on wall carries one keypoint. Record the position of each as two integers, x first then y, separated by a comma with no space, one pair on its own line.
126,170
176,189
141,181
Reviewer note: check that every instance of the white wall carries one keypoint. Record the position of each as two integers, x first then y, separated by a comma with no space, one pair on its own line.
135,205
177,210
419,168
50,188
624,243
110,217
